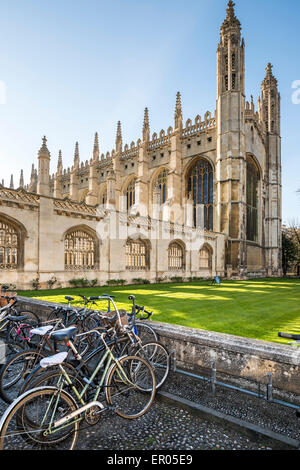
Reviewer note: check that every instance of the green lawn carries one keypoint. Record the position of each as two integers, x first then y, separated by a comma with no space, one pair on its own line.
254,309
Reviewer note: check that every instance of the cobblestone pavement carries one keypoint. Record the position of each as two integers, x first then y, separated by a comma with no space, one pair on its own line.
164,427
169,427
272,416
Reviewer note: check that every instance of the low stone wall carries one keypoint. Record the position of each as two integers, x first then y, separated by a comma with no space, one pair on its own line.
234,356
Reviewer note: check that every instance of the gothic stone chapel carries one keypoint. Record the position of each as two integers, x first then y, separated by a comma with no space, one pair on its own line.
200,199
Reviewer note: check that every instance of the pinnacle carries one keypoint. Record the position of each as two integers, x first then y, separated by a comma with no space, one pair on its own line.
178,102
119,132
231,19
146,117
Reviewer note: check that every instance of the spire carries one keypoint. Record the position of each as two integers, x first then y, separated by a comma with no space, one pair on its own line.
76,156
59,163
119,138
12,182
96,148
178,111
32,185
146,126
21,184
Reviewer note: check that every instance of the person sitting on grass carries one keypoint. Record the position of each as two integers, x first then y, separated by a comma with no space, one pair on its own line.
216,281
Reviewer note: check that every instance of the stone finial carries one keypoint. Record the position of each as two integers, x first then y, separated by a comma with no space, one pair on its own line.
231,20
178,111
44,152
119,138
96,148
146,126
12,182
269,79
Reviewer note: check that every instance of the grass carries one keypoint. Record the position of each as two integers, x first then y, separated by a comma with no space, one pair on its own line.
256,309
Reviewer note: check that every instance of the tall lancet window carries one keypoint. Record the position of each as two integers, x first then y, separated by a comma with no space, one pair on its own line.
130,194
161,186
252,200
80,251
200,185
8,246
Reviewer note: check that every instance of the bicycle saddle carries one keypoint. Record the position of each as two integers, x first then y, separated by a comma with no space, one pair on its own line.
16,318
69,298
64,334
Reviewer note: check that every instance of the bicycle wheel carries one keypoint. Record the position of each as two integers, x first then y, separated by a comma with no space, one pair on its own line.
32,317
158,357
55,378
20,334
25,423
145,332
130,387
14,372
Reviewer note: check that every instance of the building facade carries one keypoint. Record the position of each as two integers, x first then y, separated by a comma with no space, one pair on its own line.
198,199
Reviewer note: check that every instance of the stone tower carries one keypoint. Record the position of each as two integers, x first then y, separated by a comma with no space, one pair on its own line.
270,117
43,184
231,154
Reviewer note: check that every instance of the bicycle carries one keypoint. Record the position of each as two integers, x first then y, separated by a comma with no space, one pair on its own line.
19,365
142,330
121,342
48,417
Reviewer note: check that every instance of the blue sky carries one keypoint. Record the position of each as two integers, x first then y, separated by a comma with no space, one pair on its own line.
74,67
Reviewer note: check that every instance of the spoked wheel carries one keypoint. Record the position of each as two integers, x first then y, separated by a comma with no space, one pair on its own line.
28,423
15,371
158,357
130,387
145,332
32,317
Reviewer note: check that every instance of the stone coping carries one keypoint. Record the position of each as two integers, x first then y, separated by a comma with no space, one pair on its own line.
220,341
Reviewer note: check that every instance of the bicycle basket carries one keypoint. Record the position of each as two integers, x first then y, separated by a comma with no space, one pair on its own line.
115,323
3,301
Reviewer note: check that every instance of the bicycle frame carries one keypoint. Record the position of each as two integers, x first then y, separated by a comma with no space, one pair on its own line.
110,361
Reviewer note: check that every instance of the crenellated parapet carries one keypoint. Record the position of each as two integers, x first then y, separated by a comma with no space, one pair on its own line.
198,126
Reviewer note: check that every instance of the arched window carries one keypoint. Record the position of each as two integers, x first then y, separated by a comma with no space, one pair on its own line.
200,182
130,194
252,200
137,255
205,259
103,198
160,186
9,246
80,250
175,256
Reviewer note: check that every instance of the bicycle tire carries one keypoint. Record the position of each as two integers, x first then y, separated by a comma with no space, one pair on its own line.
38,371
19,432
158,357
32,316
14,372
50,377
145,332
132,396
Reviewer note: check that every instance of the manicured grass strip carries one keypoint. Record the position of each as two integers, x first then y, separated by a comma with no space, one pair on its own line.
256,309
